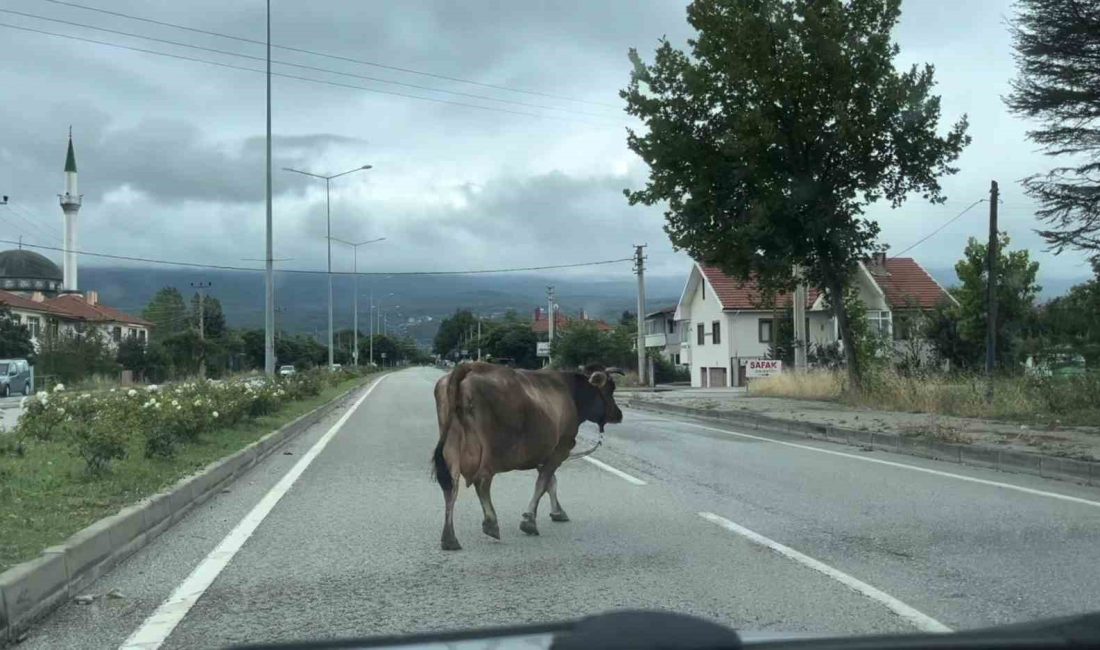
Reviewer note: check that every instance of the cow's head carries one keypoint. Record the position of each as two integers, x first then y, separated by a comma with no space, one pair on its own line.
599,405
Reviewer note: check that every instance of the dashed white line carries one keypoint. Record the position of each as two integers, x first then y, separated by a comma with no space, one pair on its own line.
155,630
919,619
617,472
890,463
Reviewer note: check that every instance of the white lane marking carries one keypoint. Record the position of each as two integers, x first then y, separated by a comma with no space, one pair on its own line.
920,620
155,630
617,472
890,463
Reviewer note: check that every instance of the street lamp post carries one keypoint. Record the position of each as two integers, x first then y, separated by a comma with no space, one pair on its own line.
328,237
355,292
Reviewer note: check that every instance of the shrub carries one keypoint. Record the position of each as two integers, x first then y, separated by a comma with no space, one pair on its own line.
99,443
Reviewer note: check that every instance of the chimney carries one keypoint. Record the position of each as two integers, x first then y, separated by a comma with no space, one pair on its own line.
878,259
91,297
38,296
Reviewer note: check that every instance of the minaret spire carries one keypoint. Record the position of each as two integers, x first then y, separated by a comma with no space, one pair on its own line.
70,205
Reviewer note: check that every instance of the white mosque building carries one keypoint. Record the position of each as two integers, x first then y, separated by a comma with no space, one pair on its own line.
48,299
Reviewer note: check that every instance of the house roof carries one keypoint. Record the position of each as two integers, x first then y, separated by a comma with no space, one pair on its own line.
735,294
15,301
663,310
77,307
906,284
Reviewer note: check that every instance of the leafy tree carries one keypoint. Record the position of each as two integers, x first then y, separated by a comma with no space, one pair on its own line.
515,341
131,355
15,338
183,350
583,343
629,320
214,318
768,140
1057,49
71,356
453,330
1070,321
168,313
1016,292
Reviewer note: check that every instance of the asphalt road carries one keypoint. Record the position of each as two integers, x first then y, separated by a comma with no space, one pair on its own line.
353,546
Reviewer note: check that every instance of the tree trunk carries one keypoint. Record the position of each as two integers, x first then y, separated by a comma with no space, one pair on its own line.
840,310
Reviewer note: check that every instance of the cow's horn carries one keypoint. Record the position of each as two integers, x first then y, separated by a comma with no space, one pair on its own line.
615,370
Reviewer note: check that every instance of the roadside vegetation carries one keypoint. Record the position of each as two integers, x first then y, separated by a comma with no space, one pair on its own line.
78,456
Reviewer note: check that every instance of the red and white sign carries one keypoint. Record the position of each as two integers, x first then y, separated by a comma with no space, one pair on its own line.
756,368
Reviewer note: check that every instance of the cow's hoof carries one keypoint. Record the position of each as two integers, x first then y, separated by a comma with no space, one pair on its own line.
528,525
491,529
451,544
559,516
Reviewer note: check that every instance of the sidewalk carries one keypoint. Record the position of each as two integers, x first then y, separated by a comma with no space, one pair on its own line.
1082,443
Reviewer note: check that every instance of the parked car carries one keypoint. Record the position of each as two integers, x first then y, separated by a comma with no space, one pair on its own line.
15,377
287,370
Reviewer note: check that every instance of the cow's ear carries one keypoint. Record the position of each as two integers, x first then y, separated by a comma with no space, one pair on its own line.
598,379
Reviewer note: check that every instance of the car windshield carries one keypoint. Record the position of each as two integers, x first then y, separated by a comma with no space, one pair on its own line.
325,319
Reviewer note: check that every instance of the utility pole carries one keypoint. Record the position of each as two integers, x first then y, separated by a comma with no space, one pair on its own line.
479,338
799,312
639,268
200,287
991,291
550,324
269,265
371,339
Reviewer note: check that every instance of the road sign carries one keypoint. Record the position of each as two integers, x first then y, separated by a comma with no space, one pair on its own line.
383,355
756,368
542,348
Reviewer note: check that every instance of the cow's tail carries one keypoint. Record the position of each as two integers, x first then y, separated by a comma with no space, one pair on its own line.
440,470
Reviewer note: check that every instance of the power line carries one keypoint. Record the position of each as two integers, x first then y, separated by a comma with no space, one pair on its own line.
25,218
944,225
301,66
291,76
333,56
220,267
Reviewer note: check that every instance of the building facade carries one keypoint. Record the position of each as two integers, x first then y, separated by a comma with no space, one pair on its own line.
727,322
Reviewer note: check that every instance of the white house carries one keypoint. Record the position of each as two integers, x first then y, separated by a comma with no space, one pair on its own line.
726,322
665,334
72,313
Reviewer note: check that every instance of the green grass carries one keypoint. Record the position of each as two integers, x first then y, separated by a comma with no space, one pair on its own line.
46,495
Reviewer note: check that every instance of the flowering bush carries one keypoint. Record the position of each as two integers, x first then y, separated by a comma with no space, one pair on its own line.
98,425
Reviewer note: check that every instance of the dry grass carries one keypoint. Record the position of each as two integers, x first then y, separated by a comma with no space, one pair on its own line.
1065,401
826,386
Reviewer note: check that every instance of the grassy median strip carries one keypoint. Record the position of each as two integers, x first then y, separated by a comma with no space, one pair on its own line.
47,492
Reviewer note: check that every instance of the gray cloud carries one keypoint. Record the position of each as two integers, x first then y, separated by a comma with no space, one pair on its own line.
171,153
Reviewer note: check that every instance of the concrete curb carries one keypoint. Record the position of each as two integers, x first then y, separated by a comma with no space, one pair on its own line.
32,589
1052,467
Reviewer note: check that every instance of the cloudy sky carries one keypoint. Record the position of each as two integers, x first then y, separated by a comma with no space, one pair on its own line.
171,150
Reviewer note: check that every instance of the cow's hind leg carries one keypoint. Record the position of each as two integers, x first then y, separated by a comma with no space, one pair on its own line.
557,513
448,481
489,526
527,524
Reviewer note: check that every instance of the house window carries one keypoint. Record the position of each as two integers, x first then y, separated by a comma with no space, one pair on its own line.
671,326
34,324
141,335
879,323
715,332
700,333
765,330
116,334
703,289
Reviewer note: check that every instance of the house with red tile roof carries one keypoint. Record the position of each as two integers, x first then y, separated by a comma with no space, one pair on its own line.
727,322
73,313
541,324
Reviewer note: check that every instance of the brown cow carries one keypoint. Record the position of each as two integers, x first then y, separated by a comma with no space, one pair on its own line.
494,419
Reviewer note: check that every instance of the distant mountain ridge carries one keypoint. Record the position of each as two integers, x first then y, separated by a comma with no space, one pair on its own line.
302,305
